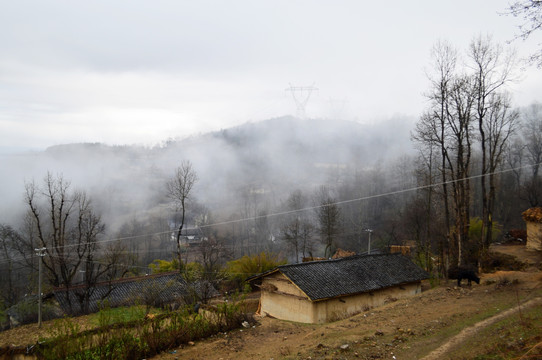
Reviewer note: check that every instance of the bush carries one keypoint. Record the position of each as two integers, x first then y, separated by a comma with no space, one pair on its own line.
26,311
240,269
120,315
139,338
162,266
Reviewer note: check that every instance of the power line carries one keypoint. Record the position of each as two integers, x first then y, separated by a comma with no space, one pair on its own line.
282,213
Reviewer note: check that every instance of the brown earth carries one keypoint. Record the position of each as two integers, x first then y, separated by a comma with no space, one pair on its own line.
429,324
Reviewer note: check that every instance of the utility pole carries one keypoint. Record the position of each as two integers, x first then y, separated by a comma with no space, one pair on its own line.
370,231
41,253
302,97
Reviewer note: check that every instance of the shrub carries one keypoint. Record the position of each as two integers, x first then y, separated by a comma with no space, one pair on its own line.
161,266
120,315
139,338
240,269
26,311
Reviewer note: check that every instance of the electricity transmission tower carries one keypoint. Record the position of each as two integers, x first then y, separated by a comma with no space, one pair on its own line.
301,95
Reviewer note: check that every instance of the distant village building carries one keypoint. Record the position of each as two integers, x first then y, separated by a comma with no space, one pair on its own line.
152,290
403,249
328,290
155,290
533,219
190,236
340,253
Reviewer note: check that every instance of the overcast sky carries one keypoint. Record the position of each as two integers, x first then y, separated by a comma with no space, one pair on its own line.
125,72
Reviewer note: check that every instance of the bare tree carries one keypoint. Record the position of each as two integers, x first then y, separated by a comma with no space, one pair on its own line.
65,224
297,230
9,266
492,69
432,131
468,106
532,139
329,217
179,191
499,126
531,12
213,252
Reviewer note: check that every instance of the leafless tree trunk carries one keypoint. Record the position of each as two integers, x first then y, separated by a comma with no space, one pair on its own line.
500,125
432,131
532,139
296,230
179,190
66,226
492,70
8,239
329,217
531,12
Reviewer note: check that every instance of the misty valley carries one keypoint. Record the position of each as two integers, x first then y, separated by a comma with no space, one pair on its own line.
226,205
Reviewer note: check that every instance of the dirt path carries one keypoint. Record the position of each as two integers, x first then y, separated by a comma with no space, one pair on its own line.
471,331
404,329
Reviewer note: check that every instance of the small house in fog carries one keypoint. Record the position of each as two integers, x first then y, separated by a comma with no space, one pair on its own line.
323,291
533,219
191,236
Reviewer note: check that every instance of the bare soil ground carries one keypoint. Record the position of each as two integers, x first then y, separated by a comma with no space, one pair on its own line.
429,325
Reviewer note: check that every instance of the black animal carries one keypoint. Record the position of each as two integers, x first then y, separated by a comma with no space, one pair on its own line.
468,274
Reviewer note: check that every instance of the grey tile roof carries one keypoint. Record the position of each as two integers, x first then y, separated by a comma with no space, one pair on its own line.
352,275
166,287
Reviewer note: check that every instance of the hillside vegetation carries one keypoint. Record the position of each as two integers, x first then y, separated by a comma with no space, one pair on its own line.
444,322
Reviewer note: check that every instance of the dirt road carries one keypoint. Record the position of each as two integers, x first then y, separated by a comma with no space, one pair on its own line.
471,331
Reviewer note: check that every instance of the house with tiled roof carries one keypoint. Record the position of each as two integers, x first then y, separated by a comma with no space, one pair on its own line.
323,291
155,290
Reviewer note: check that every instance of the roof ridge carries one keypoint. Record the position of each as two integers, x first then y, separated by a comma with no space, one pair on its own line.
357,256
118,281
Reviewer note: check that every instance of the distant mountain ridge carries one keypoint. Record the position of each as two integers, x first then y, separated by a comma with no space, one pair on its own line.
277,155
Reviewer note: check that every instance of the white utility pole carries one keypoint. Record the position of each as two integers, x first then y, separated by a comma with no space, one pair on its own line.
41,253
370,231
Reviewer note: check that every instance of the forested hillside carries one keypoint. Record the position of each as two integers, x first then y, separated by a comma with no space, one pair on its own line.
286,186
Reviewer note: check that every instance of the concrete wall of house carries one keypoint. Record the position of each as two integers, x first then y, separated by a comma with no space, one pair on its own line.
339,308
534,236
297,307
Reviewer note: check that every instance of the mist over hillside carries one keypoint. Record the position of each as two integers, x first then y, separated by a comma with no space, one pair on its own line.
271,157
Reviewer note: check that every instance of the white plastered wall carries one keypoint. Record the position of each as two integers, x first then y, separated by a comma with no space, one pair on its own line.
339,308
296,307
